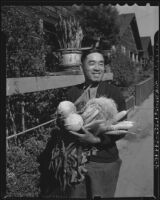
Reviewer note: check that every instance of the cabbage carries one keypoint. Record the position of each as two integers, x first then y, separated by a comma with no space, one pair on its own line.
65,108
73,122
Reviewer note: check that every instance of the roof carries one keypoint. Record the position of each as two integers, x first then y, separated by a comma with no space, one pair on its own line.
125,20
145,42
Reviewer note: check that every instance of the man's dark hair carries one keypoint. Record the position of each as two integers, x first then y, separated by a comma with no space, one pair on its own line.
93,50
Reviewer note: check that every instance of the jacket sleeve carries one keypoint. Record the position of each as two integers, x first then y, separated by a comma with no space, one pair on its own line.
117,96
109,139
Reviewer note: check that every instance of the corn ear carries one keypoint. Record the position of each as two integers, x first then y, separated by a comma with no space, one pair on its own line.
91,117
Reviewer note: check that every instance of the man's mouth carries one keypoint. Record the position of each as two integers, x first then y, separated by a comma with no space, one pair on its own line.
96,74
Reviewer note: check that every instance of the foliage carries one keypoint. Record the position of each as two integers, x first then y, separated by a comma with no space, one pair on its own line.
98,21
22,166
69,32
39,106
22,173
124,70
25,47
23,176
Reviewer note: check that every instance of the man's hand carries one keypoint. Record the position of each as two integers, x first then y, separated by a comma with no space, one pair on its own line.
86,137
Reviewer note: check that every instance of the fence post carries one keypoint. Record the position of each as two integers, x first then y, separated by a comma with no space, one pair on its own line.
12,119
138,94
6,137
23,113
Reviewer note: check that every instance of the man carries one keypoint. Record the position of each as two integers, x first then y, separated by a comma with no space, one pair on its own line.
104,165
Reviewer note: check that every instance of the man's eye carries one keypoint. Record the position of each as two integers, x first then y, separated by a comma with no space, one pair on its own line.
101,64
91,63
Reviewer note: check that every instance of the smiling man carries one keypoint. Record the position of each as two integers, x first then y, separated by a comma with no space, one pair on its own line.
104,163
93,67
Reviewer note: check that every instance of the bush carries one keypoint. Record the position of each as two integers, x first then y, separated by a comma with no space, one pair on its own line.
22,166
39,106
124,70
22,173
25,49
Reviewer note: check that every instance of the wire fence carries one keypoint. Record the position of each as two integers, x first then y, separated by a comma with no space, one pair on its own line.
31,129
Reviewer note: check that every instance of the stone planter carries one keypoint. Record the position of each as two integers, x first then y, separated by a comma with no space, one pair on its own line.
71,57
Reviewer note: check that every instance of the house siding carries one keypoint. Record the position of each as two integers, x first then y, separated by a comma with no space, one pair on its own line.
128,41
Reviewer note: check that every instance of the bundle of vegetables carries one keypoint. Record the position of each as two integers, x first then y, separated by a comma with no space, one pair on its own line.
67,161
67,164
105,109
100,115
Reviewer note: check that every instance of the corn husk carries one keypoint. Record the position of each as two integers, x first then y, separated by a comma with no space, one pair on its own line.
105,108
105,111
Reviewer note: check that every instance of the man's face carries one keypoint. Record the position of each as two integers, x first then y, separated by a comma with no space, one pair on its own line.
93,67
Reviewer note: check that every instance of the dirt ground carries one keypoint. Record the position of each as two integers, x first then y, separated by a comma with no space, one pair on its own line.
136,152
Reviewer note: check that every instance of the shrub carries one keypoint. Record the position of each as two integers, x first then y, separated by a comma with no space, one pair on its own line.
39,106
124,70
25,47
22,173
22,166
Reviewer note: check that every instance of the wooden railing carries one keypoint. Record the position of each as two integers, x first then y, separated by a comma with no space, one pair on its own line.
35,84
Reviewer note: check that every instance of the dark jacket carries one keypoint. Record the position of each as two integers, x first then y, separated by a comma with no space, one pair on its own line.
108,151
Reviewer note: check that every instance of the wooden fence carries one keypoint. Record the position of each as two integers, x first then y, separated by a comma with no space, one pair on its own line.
143,90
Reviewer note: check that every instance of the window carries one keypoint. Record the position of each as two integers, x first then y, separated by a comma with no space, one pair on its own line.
50,35
51,40
123,49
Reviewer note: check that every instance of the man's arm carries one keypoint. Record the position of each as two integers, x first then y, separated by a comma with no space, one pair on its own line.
117,96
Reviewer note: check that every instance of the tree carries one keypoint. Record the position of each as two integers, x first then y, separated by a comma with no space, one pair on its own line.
98,22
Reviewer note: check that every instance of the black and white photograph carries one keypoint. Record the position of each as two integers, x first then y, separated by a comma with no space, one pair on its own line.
81,109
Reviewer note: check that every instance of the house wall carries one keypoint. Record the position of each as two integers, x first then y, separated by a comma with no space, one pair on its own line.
148,56
128,41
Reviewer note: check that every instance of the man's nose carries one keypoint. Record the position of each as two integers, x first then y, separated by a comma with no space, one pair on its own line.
97,67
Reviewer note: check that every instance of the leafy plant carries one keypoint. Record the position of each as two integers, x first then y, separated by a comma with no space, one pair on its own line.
25,48
23,176
22,173
124,70
69,32
39,106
